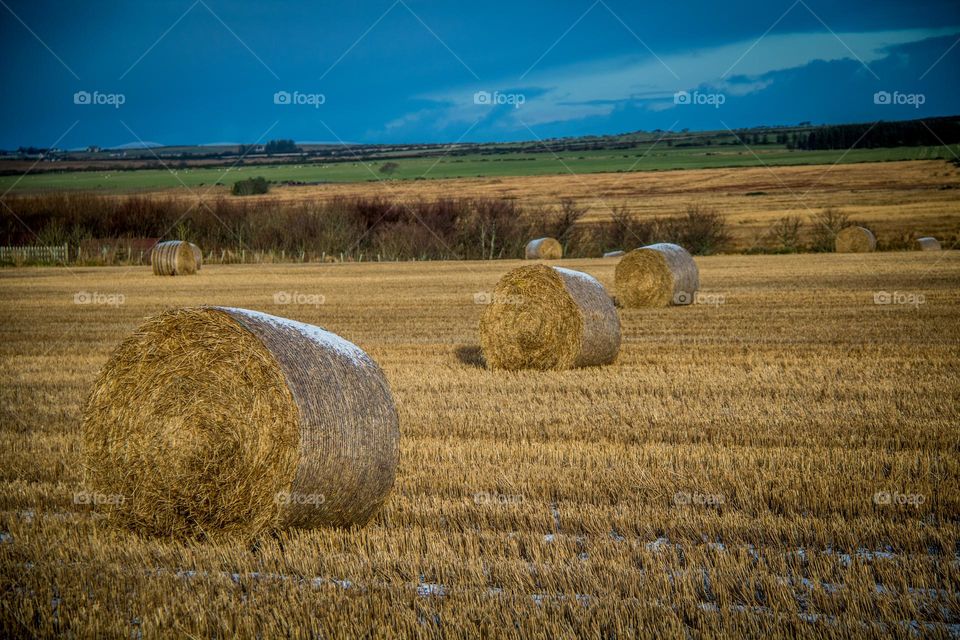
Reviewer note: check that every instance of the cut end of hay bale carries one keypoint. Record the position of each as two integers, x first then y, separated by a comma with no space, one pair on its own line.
855,240
197,254
210,421
544,249
544,317
928,243
174,258
657,276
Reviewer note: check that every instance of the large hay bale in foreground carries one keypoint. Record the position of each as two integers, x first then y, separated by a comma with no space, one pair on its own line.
544,317
544,249
855,240
657,275
173,258
214,420
928,243
197,254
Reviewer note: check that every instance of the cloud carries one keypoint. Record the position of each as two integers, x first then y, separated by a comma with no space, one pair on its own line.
598,88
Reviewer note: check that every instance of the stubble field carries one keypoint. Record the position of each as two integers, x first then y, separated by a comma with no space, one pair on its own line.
781,460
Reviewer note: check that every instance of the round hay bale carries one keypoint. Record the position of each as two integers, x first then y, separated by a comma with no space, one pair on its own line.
928,243
544,249
615,254
173,258
855,240
197,254
657,275
213,420
549,318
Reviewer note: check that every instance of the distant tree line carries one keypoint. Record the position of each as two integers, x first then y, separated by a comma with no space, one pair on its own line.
909,133
272,147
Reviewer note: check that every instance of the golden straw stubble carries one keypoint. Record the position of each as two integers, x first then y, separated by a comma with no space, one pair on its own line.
210,421
542,317
657,275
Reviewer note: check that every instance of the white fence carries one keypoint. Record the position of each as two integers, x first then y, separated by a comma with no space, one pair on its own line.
34,254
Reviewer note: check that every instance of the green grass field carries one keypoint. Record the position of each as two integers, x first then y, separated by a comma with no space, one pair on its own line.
642,158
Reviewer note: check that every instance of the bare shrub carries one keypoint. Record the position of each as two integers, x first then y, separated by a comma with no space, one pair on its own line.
786,232
826,225
701,230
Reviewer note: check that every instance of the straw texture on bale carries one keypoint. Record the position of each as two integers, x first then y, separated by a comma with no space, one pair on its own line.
657,275
855,240
197,254
214,420
614,254
173,258
544,317
544,249
928,243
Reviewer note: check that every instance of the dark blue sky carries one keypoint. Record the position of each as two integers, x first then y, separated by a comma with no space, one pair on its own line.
207,71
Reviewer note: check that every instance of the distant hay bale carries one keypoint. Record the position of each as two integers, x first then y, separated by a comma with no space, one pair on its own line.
544,317
214,420
928,243
614,254
855,240
197,254
173,258
657,275
544,249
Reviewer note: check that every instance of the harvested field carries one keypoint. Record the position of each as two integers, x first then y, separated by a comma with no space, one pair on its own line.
779,459
891,198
